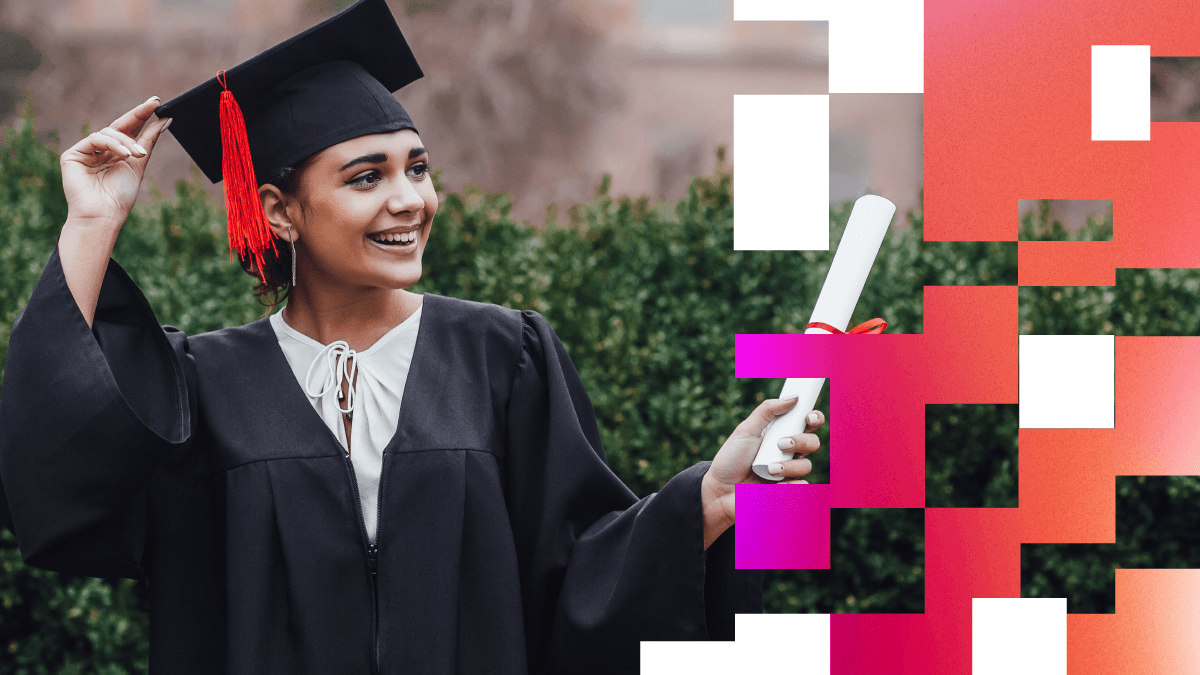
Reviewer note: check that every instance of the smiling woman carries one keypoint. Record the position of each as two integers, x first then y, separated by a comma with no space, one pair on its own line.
371,480
357,214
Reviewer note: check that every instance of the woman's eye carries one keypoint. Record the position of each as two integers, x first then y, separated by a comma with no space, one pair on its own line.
368,179
419,170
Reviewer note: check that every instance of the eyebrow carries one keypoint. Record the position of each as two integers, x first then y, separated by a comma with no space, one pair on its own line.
380,157
373,158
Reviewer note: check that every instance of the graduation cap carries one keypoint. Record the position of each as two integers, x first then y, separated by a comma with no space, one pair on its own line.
329,84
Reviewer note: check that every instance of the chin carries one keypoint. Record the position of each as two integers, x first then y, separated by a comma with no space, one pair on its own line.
403,276
392,272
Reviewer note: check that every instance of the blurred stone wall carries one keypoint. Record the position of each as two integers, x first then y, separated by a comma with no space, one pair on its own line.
1175,89
537,98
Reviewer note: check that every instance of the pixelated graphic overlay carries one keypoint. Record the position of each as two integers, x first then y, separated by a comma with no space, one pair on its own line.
1155,528
782,142
875,46
1008,114
855,581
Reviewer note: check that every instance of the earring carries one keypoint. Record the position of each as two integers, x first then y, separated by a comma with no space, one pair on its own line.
292,242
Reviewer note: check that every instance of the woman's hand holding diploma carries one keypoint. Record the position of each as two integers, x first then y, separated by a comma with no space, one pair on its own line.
732,465
101,177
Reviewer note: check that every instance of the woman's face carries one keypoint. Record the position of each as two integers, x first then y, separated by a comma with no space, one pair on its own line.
362,212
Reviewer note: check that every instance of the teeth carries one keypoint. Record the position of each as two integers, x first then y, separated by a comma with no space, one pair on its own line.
402,238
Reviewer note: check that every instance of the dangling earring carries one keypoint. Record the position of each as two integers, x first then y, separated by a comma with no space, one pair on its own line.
292,242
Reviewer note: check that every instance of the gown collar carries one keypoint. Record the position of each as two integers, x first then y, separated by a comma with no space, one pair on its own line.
341,362
425,379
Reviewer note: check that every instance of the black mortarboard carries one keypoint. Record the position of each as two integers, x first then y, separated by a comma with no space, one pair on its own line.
331,83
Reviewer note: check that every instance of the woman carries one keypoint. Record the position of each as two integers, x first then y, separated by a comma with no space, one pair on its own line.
447,508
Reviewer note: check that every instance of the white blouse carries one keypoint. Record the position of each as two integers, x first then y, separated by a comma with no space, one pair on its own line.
376,375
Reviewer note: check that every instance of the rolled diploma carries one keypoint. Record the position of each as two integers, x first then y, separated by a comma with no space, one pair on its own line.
847,275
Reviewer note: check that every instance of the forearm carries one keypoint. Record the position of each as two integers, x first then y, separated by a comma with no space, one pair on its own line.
84,249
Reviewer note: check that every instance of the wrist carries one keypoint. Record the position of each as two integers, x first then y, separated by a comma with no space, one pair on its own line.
716,505
93,224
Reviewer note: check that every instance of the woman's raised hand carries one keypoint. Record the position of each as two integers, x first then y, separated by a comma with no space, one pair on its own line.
101,177
103,172
732,465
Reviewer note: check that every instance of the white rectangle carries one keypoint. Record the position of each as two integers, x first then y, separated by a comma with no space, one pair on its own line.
1019,635
781,173
1066,381
1120,92
782,10
766,644
877,47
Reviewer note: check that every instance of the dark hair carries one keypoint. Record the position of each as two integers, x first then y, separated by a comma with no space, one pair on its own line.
275,283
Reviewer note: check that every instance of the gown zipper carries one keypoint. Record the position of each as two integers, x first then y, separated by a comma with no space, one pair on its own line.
373,558
372,553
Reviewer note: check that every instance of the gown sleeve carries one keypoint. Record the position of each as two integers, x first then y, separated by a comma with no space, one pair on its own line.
94,427
603,570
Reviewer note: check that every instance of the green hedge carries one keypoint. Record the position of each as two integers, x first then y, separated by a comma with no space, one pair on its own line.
647,297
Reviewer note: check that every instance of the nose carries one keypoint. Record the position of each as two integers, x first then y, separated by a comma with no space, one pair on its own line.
405,198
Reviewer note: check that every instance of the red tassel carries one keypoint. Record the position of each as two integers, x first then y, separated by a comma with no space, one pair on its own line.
249,232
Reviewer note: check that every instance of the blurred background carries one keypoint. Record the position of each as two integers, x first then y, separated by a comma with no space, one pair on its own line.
1175,89
536,98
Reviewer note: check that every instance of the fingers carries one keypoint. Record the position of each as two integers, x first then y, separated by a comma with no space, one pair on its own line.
764,414
803,444
792,468
135,150
815,419
152,133
99,148
131,123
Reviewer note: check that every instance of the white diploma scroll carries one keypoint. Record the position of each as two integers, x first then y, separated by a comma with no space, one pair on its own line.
847,275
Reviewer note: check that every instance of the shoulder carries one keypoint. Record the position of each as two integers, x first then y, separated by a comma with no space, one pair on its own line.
484,315
244,339
509,336
479,320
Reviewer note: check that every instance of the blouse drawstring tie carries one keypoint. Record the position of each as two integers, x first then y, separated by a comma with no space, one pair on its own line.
342,365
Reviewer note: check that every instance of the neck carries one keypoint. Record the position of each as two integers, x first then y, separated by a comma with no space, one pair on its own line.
358,316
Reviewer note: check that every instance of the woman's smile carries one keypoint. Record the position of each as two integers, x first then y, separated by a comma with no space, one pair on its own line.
405,240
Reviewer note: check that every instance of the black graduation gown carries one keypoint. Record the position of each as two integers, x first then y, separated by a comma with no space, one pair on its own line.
505,543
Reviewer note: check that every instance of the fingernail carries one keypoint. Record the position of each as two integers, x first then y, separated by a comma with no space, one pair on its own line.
125,151
139,148
775,468
154,98
787,443
813,418
169,120
789,399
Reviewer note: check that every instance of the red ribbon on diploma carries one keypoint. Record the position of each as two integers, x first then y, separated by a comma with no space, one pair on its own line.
872,327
